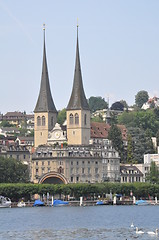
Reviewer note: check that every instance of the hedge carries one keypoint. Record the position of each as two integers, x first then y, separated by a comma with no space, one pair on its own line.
16,191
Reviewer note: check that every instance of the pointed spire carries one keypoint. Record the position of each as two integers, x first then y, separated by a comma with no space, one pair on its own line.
45,102
78,99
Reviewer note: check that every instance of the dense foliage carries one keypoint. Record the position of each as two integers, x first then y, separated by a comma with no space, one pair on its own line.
141,144
115,135
5,123
97,119
153,175
97,103
146,120
61,116
124,103
13,171
141,126
17,191
117,106
141,98
130,157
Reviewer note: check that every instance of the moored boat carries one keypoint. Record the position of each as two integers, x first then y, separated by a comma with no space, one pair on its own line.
38,203
102,202
142,203
58,203
21,204
5,202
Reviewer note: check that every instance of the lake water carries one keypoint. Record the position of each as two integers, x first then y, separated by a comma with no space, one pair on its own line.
95,222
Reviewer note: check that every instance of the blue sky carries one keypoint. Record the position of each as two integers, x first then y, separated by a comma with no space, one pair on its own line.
119,49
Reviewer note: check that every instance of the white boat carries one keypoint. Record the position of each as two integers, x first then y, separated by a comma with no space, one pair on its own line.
21,204
5,202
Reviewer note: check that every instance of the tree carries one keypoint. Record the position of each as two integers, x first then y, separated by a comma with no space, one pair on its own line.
115,136
130,149
157,137
5,123
141,98
30,134
146,120
152,105
97,103
124,103
153,175
156,112
13,171
2,136
142,144
127,119
61,116
117,106
97,119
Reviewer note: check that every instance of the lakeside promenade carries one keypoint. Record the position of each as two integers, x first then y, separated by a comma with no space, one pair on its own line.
90,203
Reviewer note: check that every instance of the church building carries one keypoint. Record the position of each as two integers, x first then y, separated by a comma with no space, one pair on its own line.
67,154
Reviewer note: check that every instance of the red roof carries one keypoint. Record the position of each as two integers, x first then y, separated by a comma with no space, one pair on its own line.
100,130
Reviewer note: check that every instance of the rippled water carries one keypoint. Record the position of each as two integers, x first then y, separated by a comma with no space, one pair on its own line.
96,222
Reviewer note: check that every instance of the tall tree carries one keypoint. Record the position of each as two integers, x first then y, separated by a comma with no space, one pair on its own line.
157,137
115,136
130,149
142,144
97,103
124,103
141,98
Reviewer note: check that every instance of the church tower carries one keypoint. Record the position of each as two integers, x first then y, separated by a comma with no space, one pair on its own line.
45,113
78,112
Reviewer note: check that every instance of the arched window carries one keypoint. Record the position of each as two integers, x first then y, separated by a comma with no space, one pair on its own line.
38,121
85,119
52,121
71,118
76,118
43,120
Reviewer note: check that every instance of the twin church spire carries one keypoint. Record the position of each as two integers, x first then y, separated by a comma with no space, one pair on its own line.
45,102
78,99
78,113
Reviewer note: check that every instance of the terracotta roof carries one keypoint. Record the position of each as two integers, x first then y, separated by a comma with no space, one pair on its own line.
100,130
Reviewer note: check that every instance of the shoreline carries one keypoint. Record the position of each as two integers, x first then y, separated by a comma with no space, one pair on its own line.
91,203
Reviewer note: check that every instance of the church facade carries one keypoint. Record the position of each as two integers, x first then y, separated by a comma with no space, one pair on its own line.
67,154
